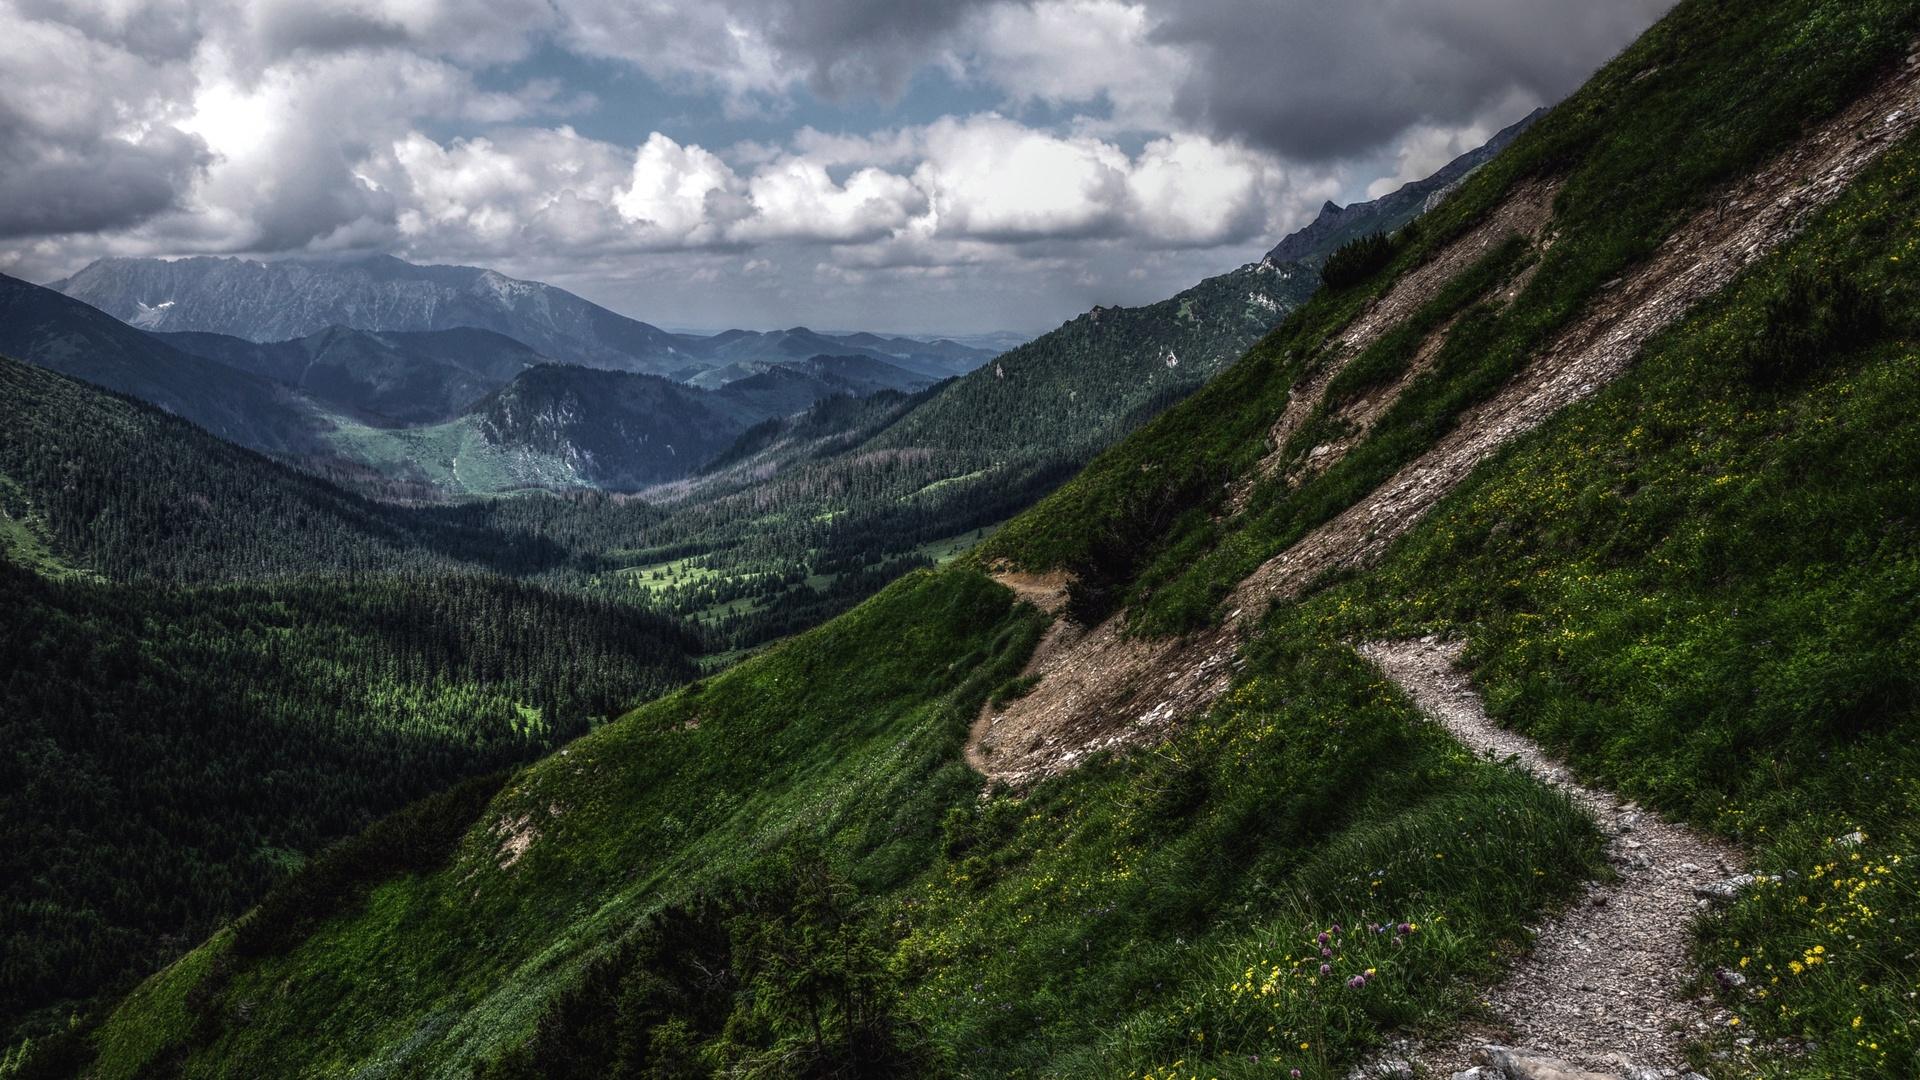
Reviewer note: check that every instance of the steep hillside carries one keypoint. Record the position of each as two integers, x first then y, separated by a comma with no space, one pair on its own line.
1076,390
612,430
1337,226
396,378
893,489
1629,416
45,328
172,752
122,489
285,299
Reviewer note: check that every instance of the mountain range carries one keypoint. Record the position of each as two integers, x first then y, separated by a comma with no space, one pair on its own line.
292,299
411,371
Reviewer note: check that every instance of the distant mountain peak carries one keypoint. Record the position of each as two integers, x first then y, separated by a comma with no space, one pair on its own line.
1338,224
295,298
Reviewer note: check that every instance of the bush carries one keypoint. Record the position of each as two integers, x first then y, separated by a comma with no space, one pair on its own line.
1118,546
1358,260
1809,322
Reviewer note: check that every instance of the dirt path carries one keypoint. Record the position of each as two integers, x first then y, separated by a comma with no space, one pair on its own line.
1607,979
1105,689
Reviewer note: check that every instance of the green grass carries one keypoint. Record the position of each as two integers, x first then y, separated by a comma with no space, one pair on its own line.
1708,93
23,535
1104,926
1704,589
454,457
715,772
947,550
1314,795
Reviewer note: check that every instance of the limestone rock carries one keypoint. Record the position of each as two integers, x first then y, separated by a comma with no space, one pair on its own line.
1523,1064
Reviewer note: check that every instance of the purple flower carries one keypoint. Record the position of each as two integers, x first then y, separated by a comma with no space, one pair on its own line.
1326,969
1356,982
1295,1074
1406,928
1336,928
1323,937
1326,952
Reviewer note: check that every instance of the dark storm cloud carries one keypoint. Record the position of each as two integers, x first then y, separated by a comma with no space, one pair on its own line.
290,28
50,185
1318,81
859,48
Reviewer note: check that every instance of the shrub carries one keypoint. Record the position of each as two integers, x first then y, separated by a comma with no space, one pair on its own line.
1811,320
1358,260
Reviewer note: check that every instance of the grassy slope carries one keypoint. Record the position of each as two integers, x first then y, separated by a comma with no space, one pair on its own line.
1707,94
1706,593
1312,798
1156,911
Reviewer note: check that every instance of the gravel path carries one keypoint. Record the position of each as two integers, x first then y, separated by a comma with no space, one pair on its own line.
1605,983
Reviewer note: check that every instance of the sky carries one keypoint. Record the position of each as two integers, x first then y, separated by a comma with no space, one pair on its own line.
955,166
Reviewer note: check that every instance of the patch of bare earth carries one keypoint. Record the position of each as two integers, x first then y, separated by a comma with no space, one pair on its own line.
1102,689
1606,987
1525,212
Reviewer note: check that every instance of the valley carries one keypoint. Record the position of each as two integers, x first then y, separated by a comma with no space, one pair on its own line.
1478,639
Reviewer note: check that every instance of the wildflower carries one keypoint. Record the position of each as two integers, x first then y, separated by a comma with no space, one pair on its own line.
1295,1074
1356,982
1326,952
1326,969
1323,937
1406,928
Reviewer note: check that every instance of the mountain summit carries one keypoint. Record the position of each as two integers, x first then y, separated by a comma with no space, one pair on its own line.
1337,224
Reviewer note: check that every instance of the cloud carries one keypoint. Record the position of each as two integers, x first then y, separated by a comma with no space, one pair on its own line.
956,190
1081,53
74,155
1318,81
758,51
1097,139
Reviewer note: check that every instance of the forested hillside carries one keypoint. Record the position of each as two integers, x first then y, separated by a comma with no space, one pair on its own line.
172,752
125,490
393,378
1650,460
74,339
